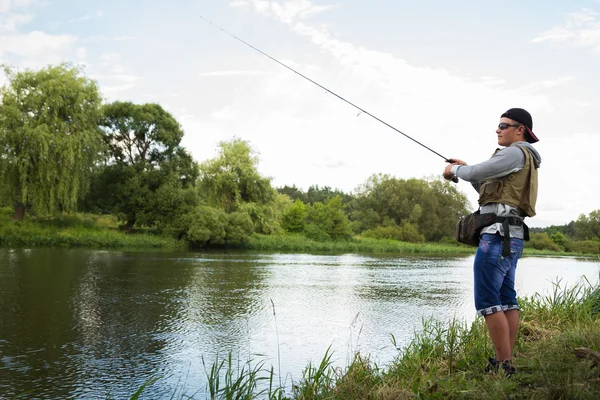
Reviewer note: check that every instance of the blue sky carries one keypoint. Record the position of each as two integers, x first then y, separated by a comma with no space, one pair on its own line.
440,71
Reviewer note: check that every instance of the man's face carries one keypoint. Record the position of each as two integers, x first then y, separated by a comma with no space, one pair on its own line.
509,132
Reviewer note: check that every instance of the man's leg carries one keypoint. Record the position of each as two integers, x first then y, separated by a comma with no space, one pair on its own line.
490,269
512,317
499,329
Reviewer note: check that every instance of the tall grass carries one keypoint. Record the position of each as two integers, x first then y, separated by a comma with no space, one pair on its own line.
358,244
78,230
354,245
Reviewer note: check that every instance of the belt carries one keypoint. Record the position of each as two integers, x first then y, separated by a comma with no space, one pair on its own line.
506,223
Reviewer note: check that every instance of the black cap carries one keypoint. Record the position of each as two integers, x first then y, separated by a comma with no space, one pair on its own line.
523,117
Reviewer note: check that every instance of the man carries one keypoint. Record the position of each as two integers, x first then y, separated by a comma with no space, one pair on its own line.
507,186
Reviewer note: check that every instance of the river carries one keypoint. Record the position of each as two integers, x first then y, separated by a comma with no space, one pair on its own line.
85,324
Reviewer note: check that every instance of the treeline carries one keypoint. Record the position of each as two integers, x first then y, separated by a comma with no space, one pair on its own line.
581,236
64,150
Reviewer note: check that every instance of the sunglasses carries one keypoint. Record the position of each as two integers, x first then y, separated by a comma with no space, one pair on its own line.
503,125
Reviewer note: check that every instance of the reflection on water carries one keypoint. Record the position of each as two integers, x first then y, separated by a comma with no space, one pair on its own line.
87,324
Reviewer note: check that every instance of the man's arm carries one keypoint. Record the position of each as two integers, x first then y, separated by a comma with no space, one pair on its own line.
504,162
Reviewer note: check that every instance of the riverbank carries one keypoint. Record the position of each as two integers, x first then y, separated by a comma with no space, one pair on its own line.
93,231
556,356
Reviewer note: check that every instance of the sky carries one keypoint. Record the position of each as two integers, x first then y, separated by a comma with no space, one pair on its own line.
439,71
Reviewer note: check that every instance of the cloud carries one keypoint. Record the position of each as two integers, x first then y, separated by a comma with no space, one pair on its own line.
106,38
229,73
87,17
9,22
7,6
540,86
286,11
36,44
581,29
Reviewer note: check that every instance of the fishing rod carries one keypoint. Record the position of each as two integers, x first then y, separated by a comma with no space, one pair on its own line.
449,160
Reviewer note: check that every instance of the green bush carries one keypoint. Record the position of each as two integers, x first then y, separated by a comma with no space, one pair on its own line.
583,246
239,228
316,233
384,232
294,217
541,241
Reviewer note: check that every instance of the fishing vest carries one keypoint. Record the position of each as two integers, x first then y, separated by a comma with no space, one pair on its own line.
518,189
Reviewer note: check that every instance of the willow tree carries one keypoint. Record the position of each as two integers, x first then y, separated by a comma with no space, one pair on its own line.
49,138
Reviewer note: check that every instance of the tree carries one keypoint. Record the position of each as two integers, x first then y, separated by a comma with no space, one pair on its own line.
588,227
414,206
49,138
231,182
294,216
293,193
148,177
330,218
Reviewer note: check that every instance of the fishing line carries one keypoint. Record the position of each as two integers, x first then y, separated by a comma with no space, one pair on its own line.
327,90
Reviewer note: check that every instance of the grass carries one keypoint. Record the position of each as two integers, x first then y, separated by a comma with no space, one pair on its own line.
357,244
446,361
77,230
101,231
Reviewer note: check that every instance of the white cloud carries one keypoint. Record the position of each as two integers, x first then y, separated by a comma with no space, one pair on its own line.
286,11
9,22
87,17
541,86
10,5
37,45
106,38
226,113
81,53
580,29
228,73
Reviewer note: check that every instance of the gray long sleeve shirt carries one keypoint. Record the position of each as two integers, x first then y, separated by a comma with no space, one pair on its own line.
506,161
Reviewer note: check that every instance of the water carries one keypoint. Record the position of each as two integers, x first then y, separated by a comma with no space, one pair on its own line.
90,324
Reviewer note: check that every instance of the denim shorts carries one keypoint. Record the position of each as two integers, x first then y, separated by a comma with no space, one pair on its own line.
494,274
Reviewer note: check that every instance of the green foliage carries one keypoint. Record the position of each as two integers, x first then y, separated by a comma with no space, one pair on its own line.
542,241
432,208
558,238
330,218
76,230
583,246
232,178
148,179
315,232
293,193
294,216
588,227
315,194
205,226
406,233
231,182
239,228
265,217
49,138
360,245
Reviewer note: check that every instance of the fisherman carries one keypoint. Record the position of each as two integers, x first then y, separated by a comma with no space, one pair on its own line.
507,185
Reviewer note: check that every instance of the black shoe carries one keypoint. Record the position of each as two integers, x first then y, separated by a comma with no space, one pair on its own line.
492,366
509,369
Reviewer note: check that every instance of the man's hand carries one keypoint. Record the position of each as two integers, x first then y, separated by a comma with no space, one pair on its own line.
447,173
456,161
